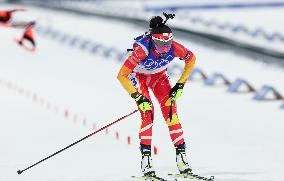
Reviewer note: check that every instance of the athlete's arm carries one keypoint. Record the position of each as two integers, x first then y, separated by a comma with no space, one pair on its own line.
189,59
127,68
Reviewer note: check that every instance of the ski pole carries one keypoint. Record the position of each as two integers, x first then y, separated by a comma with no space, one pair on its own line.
21,171
171,111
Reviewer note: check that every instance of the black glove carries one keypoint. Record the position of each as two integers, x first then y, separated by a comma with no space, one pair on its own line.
176,91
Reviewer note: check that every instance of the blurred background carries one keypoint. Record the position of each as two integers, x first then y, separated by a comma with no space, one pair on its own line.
65,87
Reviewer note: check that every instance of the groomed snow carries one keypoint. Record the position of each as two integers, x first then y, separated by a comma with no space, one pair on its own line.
228,135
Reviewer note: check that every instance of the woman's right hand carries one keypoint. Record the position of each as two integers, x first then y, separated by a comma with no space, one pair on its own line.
144,103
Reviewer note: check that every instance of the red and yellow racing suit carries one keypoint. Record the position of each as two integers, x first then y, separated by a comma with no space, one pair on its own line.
136,75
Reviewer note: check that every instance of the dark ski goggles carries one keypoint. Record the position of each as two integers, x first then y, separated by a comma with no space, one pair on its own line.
162,43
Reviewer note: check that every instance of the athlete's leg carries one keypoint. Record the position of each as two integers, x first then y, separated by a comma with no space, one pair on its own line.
145,134
147,117
161,88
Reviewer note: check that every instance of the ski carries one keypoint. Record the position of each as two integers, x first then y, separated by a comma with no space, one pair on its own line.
149,178
191,176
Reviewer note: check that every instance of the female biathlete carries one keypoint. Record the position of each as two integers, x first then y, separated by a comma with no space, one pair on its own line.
146,68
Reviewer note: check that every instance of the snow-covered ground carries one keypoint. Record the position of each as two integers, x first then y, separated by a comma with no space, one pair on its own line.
229,135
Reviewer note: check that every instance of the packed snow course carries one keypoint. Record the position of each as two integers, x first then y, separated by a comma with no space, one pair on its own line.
230,136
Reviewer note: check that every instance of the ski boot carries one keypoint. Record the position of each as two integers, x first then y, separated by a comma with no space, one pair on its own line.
146,162
181,160
184,167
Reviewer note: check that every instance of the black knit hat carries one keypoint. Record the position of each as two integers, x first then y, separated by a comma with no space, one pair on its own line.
157,26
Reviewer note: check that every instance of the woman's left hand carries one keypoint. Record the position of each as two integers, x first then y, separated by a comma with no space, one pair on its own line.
176,91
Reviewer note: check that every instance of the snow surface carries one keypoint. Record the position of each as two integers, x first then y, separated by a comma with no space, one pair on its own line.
228,135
